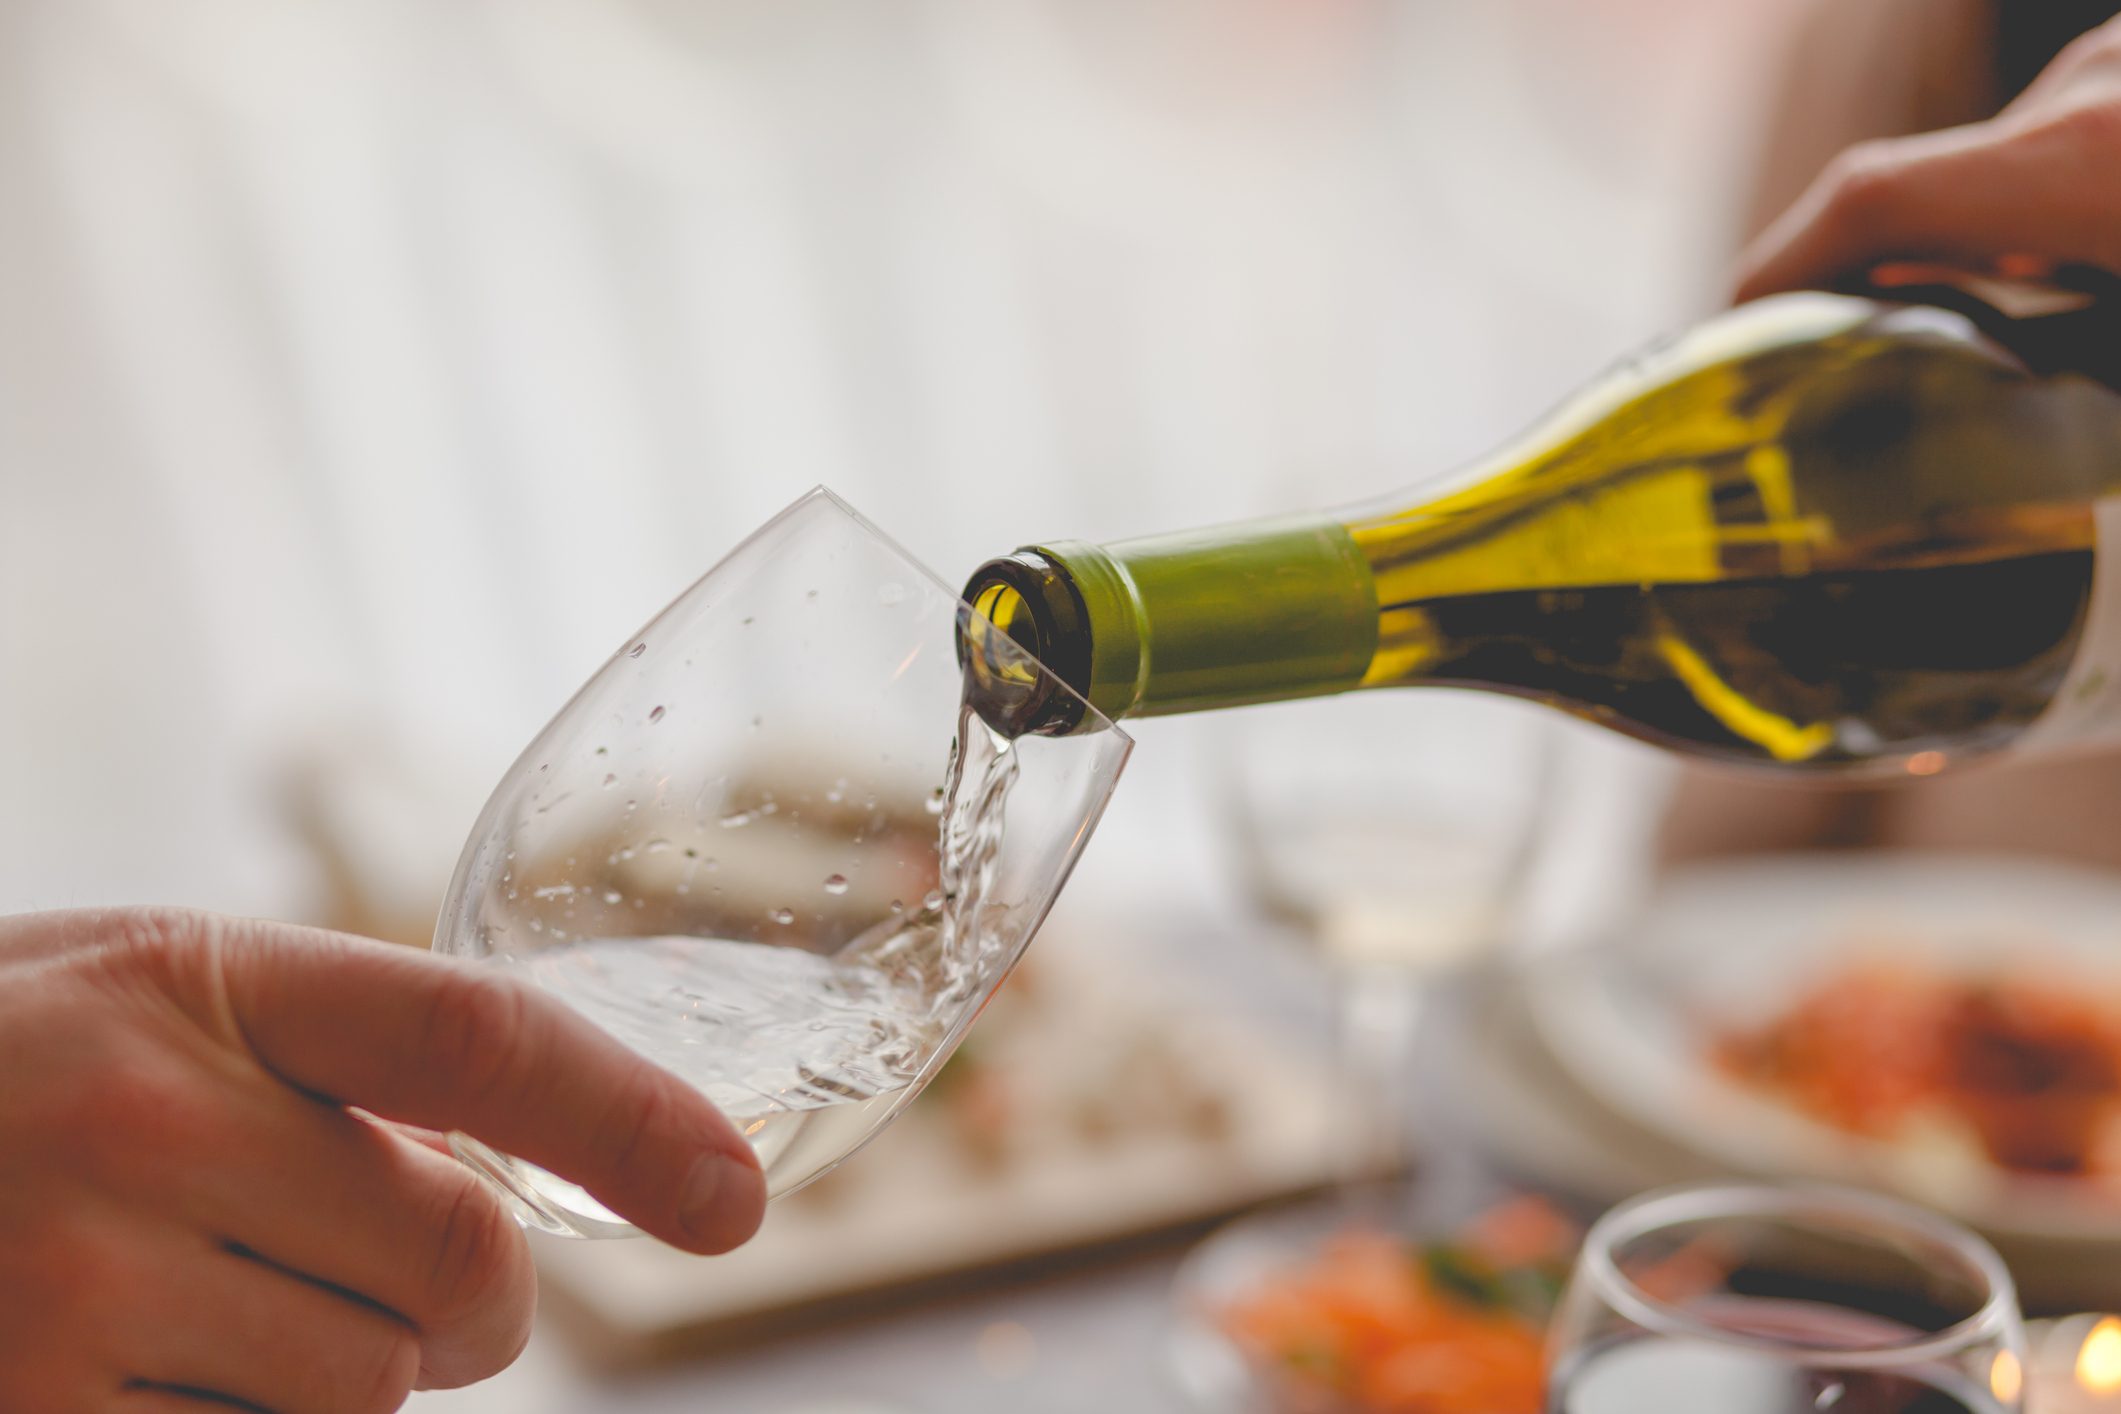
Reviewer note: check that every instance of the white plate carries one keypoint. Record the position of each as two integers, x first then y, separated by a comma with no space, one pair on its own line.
1739,942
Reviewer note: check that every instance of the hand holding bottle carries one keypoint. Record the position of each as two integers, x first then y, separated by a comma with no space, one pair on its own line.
189,1207
2040,179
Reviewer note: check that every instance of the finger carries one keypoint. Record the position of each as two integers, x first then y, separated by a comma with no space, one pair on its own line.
1966,195
238,1329
2095,54
353,1204
426,1138
447,1045
40,935
143,1400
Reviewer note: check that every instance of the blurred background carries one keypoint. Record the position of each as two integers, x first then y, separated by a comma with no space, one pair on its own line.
369,370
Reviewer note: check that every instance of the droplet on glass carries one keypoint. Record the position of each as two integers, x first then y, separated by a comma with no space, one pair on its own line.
736,818
610,780
612,896
890,592
783,916
932,899
655,846
637,650
656,715
934,803
835,883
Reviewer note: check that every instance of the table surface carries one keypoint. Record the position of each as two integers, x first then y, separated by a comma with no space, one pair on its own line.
1089,1340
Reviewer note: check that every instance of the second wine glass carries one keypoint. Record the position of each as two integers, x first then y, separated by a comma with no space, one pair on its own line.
1392,831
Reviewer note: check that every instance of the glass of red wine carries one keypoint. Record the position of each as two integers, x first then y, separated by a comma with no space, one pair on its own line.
1773,1299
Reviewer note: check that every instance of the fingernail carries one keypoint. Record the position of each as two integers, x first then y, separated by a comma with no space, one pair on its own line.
715,1204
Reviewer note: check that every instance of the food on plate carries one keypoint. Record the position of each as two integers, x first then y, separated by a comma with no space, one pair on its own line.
1054,1071
1377,1324
1046,1070
2026,1068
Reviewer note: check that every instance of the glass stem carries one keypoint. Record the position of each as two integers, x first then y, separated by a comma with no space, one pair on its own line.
1380,1016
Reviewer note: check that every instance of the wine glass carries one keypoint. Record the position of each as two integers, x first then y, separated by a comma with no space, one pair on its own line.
1392,830
768,848
1774,1299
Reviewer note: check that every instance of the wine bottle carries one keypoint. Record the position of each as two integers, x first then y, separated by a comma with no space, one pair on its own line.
1820,530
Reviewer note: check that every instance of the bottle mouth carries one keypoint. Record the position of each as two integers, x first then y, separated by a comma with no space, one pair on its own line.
1024,639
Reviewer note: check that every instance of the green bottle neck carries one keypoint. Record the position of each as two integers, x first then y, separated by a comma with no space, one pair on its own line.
1185,622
